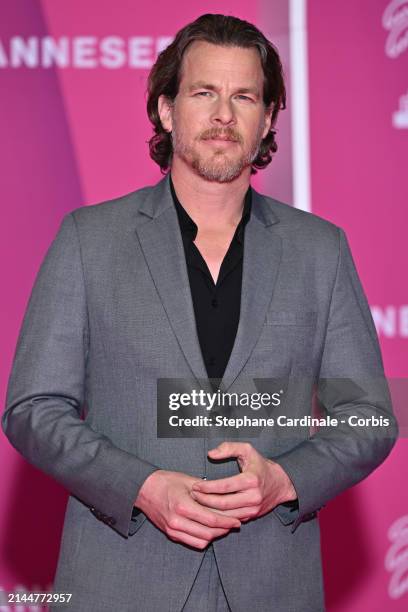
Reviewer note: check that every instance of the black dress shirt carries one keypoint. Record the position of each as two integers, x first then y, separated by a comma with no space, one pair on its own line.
216,306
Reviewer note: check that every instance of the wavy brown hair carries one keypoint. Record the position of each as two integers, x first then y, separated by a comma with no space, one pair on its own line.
164,78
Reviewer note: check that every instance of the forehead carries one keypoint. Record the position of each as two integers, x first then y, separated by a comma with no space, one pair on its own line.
208,62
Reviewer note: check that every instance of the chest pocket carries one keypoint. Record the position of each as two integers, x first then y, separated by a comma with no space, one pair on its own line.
305,318
286,343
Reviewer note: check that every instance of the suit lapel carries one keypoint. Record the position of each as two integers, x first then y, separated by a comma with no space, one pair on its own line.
161,242
262,254
162,245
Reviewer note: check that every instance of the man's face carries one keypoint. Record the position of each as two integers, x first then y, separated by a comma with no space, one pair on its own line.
218,118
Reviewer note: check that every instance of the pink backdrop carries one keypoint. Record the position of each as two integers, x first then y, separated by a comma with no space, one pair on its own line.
75,134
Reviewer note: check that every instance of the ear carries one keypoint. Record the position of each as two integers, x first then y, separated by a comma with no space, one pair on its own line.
164,107
267,120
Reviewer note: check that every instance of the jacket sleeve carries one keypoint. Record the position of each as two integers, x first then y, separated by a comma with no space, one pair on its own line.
46,390
351,384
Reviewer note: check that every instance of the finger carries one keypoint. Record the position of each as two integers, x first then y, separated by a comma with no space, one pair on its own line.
184,538
197,530
232,484
226,501
200,514
231,449
243,514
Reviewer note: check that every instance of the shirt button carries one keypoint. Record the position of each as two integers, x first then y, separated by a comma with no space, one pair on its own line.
214,303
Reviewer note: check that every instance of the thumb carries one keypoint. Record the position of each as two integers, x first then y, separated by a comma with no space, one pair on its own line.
220,451
227,449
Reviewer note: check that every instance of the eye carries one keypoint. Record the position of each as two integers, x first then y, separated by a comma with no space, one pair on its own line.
245,97
201,93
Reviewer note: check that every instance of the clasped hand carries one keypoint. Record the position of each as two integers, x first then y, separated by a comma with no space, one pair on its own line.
261,485
195,512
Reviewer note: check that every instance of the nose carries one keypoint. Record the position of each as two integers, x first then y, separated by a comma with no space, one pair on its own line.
223,113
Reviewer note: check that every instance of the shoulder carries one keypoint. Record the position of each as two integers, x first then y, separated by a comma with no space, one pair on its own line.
303,228
296,219
116,212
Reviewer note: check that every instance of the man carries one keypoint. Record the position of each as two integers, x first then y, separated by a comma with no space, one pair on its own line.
197,276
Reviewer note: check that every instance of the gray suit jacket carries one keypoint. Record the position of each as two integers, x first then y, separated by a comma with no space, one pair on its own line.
109,314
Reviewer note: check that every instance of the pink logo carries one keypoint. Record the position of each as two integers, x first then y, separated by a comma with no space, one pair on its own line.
395,19
396,559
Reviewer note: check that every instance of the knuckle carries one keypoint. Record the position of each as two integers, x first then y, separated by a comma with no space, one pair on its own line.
212,521
257,498
174,523
222,504
252,481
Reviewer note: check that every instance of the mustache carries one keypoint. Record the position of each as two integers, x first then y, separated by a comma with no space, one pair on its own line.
227,134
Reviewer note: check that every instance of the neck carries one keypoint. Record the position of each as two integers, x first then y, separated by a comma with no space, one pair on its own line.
209,203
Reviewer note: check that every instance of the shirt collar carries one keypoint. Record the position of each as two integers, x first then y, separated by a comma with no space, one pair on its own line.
189,227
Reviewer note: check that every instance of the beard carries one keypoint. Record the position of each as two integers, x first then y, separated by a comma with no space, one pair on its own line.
217,165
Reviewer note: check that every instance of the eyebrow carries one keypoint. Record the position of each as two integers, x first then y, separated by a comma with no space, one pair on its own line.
203,85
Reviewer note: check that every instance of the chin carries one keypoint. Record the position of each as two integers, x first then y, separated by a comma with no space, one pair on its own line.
217,174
